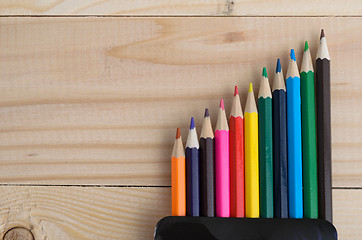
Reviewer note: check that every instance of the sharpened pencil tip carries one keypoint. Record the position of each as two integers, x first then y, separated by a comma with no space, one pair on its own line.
306,47
265,74
279,67
250,87
322,34
292,54
178,133
236,91
192,123
222,104
207,112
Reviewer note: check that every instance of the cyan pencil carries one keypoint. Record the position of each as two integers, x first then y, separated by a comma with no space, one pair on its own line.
294,134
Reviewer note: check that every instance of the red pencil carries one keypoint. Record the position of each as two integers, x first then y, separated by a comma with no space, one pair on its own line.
236,140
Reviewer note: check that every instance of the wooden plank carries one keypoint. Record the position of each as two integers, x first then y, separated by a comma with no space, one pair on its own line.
97,100
84,213
119,213
347,210
182,7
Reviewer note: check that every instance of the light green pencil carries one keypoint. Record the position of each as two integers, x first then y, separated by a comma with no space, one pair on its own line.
309,141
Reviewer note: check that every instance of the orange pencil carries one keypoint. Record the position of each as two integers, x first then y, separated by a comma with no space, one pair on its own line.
178,177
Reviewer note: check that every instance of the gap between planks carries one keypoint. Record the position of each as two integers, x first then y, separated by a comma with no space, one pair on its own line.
122,186
179,16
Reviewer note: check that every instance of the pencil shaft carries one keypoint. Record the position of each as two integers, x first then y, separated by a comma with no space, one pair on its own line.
294,148
324,154
237,195
192,182
280,154
207,203
266,157
178,183
251,165
222,179
310,182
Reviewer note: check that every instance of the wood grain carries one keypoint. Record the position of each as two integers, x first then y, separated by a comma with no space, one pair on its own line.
119,213
182,7
97,100
84,213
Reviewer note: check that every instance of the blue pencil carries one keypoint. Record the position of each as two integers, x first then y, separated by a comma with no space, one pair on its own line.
192,172
294,133
280,150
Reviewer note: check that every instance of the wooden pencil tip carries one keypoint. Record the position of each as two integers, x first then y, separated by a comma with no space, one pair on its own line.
306,47
192,123
265,74
222,104
322,34
236,92
279,66
207,112
292,54
250,87
178,133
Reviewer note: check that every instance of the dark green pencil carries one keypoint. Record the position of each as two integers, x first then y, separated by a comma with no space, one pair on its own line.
265,148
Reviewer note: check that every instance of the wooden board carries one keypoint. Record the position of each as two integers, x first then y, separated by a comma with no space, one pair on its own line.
182,7
119,213
84,212
97,100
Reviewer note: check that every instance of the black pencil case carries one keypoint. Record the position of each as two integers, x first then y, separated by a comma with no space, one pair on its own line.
207,228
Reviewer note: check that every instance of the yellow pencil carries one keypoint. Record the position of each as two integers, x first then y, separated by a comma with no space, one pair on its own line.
251,157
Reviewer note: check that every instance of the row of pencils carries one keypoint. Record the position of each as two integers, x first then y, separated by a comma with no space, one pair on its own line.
272,161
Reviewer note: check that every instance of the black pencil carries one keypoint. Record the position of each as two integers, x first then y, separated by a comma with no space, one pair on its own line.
324,154
206,151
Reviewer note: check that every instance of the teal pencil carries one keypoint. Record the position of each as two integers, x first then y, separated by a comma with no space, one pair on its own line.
265,148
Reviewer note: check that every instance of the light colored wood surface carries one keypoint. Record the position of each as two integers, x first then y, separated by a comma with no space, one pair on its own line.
182,7
120,213
97,100
84,212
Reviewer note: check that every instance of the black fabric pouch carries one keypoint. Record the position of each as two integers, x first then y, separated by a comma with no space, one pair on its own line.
207,228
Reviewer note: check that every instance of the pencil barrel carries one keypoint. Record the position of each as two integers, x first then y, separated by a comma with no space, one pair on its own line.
251,165
178,186
207,201
280,153
237,191
294,148
324,153
192,182
266,157
309,143
222,179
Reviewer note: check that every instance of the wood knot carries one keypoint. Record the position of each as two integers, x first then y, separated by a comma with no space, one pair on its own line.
18,233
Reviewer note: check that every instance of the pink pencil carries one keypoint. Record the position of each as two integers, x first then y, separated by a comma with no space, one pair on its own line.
222,179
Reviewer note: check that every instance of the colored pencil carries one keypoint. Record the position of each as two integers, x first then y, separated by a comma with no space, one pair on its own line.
236,141
207,203
294,134
324,153
178,177
251,157
192,172
222,179
280,150
265,148
309,138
